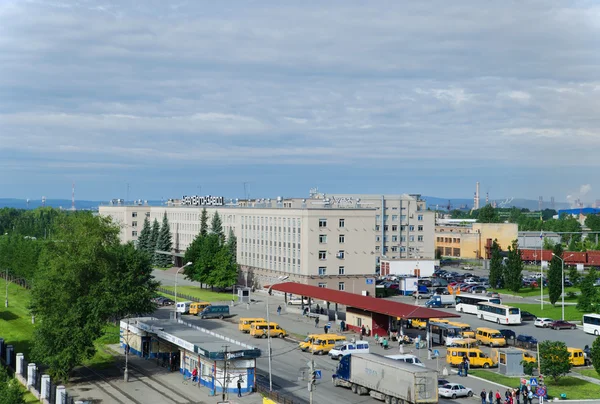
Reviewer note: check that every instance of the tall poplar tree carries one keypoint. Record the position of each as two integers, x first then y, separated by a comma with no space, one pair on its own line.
496,266
513,274
555,275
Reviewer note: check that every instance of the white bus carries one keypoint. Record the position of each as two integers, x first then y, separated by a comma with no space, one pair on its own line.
499,313
591,323
468,303
444,334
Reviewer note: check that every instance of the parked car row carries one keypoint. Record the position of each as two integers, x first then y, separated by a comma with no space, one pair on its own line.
162,301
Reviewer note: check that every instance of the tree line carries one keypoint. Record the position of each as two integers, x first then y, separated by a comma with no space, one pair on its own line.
81,278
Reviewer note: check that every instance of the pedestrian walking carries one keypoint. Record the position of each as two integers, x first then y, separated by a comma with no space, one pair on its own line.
491,397
279,310
483,396
363,330
460,368
498,397
325,329
195,375
343,326
467,364
368,331
530,397
239,387
317,322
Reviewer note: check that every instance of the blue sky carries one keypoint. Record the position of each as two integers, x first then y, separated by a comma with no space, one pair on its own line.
181,97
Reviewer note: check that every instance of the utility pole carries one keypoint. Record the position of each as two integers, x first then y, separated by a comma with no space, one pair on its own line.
6,300
312,380
225,371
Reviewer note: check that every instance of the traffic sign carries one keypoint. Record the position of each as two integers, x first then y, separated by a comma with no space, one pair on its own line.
436,352
369,281
318,374
541,391
533,382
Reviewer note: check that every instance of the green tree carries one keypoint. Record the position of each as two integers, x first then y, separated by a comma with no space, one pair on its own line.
154,237
513,277
10,389
595,354
129,288
232,245
587,301
66,297
216,227
163,243
224,273
204,223
554,359
496,266
574,275
548,244
143,242
593,222
555,275
488,214
205,264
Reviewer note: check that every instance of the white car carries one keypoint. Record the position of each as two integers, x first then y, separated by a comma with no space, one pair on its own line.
407,358
453,390
297,302
468,267
542,322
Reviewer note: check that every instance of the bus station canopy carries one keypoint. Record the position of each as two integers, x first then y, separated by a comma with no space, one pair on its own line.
367,303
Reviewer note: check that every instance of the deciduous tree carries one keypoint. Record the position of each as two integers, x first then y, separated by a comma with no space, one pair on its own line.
587,301
488,214
595,354
555,275
10,389
513,270
554,359
496,267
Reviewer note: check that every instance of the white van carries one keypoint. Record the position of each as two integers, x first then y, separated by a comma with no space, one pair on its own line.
412,359
183,307
346,348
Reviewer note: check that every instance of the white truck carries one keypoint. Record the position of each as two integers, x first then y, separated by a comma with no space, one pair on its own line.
386,379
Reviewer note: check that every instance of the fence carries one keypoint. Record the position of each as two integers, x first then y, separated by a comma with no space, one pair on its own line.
278,397
32,377
16,280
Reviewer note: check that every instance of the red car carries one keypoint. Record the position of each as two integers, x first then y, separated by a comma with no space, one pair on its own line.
562,325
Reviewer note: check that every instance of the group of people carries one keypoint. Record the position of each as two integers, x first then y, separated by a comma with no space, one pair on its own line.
383,341
511,396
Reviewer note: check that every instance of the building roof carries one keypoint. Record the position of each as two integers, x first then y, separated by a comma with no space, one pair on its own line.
579,211
368,303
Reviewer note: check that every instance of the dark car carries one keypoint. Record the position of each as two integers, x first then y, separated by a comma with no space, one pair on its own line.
527,316
568,282
562,325
526,341
508,334
441,291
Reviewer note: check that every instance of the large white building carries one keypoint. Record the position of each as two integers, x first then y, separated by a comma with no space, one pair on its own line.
327,241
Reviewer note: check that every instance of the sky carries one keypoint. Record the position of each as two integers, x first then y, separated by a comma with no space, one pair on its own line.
196,97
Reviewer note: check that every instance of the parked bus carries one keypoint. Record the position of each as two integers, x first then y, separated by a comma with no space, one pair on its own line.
444,334
591,323
499,313
468,303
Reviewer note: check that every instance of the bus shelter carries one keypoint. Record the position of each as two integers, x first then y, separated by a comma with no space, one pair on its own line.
220,361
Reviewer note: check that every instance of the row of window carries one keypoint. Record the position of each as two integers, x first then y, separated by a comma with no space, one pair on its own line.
271,258
323,238
323,223
323,271
341,285
270,243
448,240
341,254
270,228
395,248
395,238
395,218
395,228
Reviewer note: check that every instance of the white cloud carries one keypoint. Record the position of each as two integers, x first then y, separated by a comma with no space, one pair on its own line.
311,83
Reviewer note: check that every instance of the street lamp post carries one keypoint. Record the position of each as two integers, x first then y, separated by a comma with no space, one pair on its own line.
6,299
280,279
562,262
177,273
126,372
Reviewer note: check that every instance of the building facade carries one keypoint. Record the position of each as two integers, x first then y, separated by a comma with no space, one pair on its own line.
321,246
473,240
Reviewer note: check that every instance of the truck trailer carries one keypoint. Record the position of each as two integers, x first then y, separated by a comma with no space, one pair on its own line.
388,380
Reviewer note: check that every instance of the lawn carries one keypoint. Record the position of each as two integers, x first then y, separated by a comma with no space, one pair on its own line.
574,388
15,321
571,312
528,292
202,295
588,373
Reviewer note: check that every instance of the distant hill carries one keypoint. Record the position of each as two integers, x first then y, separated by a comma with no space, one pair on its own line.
57,203
457,203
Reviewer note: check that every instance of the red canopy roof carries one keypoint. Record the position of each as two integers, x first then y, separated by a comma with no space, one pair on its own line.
368,303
